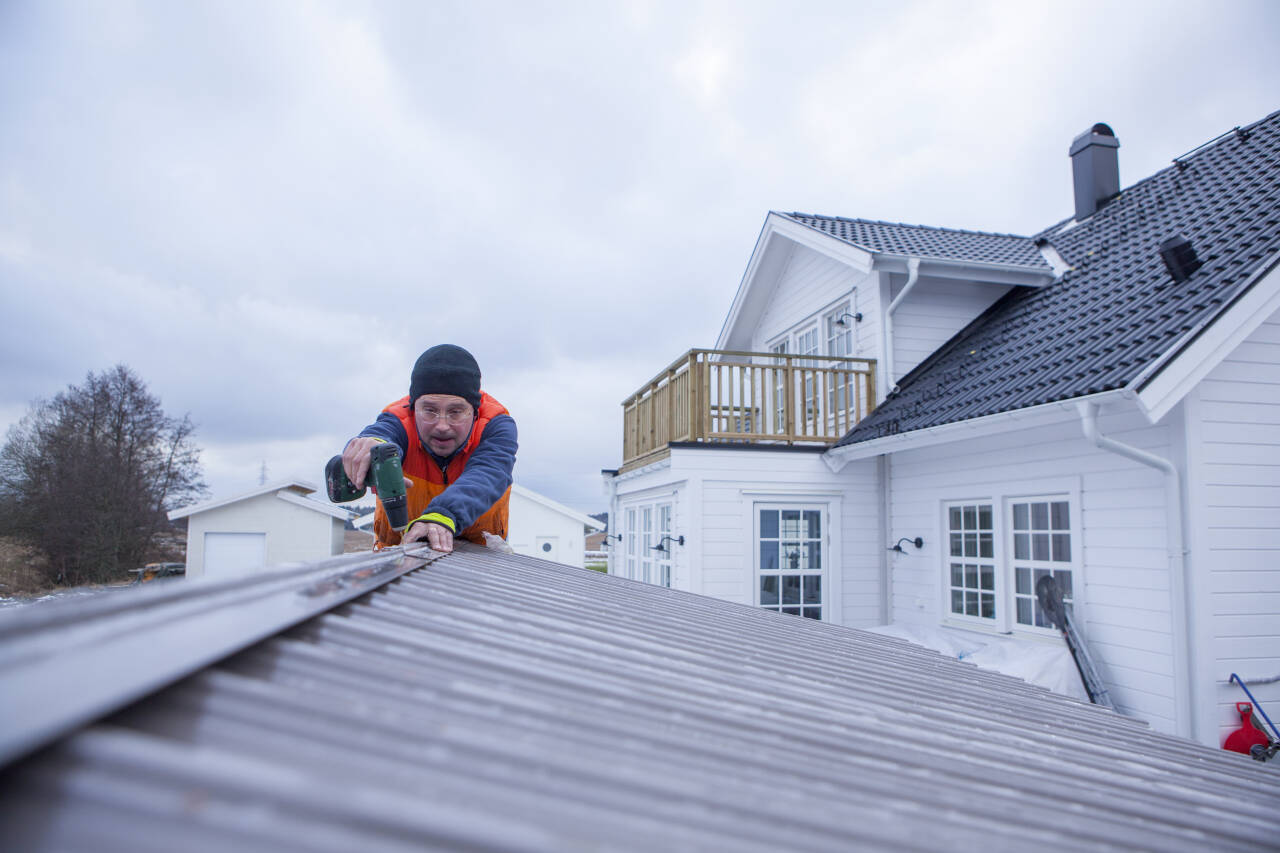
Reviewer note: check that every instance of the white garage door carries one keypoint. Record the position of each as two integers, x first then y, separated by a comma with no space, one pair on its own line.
227,554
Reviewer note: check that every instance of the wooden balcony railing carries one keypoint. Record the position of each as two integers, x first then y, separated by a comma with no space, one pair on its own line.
747,397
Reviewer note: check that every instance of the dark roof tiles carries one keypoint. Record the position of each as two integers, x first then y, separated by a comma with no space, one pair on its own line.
1117,310
895,238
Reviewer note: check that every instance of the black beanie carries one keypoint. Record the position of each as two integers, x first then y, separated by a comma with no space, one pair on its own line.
446,369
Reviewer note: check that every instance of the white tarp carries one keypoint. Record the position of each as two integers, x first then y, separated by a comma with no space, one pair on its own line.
1047,664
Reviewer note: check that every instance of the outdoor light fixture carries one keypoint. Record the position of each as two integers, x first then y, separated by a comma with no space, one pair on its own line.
918,542
609,536
661,546
840,321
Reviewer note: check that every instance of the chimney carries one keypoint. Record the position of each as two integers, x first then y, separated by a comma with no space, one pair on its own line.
1095,169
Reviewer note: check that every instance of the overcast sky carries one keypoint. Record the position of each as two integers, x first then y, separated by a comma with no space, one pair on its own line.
269,209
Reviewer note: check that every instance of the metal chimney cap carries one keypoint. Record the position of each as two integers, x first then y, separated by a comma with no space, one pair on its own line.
1100,134
1179,257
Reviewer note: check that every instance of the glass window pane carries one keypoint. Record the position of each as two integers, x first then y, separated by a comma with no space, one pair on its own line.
769,524
814,551
1062,547
1022,546
1041,620
813,523
813,589
1040,516
988,577
971,576
957,601
813,612
1024,611
988,606
791,556
970,604
971,544
1020,518
985,546
791,523
769,589
794,611
957,549
954,514
769,557
970,518
1023,581
1039,546
984,516
957,574
1064,583
790,589
1059,516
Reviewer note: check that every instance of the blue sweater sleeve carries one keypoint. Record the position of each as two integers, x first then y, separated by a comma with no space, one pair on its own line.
486,477
388,428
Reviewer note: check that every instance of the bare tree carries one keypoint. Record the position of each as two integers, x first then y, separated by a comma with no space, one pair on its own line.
89,476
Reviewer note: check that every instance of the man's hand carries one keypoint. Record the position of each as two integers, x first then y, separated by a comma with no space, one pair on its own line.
355,459
439,537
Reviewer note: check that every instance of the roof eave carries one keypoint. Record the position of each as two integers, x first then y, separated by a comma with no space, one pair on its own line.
1001,422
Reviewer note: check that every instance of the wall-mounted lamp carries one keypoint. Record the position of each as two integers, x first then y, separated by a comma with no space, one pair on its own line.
609,536
842,323
662,546
918,542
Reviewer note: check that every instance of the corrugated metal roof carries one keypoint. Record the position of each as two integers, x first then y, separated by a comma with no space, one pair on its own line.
489,701
1117,310
924,241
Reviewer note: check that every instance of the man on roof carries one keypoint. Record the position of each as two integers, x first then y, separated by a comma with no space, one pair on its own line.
457,446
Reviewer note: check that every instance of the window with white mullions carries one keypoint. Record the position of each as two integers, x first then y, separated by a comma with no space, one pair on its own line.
971,560
790,573
632,544
647,542
662,561
779,388
1041,532
839,343
807,344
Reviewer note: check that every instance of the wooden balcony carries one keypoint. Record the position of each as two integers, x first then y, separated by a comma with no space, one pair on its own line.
720,396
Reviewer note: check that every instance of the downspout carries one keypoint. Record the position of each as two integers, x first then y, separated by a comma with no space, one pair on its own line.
1182,614
884,469
913,275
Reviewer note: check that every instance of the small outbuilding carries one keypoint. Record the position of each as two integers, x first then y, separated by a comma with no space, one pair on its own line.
275,523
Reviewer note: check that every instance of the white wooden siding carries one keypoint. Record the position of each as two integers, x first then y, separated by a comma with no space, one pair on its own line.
1124,592
1235,488
932,313
810,284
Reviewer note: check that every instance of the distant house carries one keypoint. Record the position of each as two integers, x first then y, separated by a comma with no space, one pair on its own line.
276,523
538,527
911,425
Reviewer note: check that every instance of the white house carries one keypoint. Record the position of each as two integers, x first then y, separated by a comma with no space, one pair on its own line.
1099,402
539,527
276,523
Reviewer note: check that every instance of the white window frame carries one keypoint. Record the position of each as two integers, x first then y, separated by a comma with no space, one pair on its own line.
809,342
1002,499
647,520
830,506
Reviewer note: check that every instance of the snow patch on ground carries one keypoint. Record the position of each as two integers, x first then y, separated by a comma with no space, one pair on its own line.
1047,664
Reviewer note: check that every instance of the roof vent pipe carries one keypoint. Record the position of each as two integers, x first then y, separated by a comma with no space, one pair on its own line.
1179,257
1095,169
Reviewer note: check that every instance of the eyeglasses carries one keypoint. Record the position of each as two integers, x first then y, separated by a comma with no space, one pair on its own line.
455,417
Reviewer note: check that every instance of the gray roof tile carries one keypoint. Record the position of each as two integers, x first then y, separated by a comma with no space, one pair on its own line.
1117,310
494,702
923,241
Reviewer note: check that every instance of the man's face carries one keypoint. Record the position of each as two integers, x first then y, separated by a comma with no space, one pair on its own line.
443,421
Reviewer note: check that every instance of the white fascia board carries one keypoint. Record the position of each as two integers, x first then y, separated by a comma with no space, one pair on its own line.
301,486
314,506
556,507
1003,422
777,229
969,270
1163,385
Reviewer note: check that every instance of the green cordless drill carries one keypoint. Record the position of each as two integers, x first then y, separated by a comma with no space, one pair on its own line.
386,477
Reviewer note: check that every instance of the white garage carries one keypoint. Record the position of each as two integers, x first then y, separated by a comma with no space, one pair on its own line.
273,524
